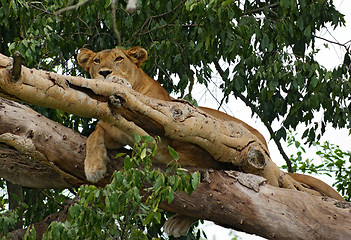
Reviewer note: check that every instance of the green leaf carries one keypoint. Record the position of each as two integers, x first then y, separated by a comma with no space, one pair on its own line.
157,217
159,183
281,134
143,154
118,155
314,82
173,153
75,211
128,164
137,137
300,23
265,42
12,47
299,48
148,139
148,218
308,32
195,179
170,196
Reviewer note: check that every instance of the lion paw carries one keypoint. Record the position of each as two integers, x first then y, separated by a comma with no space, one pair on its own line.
94,173
178,225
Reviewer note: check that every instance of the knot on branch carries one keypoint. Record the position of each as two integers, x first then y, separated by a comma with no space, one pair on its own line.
116,100
255,160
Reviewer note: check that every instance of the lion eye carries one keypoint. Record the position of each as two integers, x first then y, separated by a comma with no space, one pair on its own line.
118,59
96,60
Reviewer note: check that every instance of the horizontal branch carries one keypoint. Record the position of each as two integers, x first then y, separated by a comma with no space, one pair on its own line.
37,152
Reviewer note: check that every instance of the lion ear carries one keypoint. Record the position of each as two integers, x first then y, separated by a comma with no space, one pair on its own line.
84,56
138,55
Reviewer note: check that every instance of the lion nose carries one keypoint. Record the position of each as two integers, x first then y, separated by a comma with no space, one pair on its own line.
105,73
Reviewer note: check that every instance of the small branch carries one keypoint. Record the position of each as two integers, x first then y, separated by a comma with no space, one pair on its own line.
16,66
157,16
71,7
255,110
258,10
333,42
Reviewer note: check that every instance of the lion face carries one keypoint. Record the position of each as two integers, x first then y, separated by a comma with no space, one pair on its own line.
112,62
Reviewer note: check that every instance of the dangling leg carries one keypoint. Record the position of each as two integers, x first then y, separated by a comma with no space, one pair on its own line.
96,155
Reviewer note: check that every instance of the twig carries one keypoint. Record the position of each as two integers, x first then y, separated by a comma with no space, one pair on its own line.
333,42
71,7
157,16
257,10
255,110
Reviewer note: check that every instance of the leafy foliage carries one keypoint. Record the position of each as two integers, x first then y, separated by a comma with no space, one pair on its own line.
333,162
129,205
268,48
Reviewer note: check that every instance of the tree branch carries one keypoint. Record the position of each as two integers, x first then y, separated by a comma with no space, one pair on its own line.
69,8
333,42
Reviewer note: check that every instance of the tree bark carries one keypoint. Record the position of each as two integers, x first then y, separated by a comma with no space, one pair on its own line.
37,152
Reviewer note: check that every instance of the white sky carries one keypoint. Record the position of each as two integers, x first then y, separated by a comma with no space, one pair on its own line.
327,57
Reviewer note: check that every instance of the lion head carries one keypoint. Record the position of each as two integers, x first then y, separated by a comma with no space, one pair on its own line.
112,62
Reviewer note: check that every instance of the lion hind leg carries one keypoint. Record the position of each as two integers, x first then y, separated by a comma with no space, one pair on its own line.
178,225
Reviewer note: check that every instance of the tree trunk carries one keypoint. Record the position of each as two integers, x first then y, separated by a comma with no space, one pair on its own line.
51,156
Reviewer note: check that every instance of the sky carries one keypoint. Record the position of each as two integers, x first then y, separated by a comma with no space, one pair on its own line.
329,58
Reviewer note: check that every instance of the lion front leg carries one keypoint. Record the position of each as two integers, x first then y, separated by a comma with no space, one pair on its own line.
96,155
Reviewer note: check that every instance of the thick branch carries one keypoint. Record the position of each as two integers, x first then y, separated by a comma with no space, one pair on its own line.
230,197
38,152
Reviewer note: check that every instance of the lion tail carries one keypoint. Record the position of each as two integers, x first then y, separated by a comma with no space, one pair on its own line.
317,184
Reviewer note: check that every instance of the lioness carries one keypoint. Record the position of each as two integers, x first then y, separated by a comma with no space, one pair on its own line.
126,64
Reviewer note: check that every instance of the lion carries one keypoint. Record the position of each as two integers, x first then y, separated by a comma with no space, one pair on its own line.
126,64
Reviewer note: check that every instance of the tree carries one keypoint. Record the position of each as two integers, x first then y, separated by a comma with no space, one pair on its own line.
259,51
